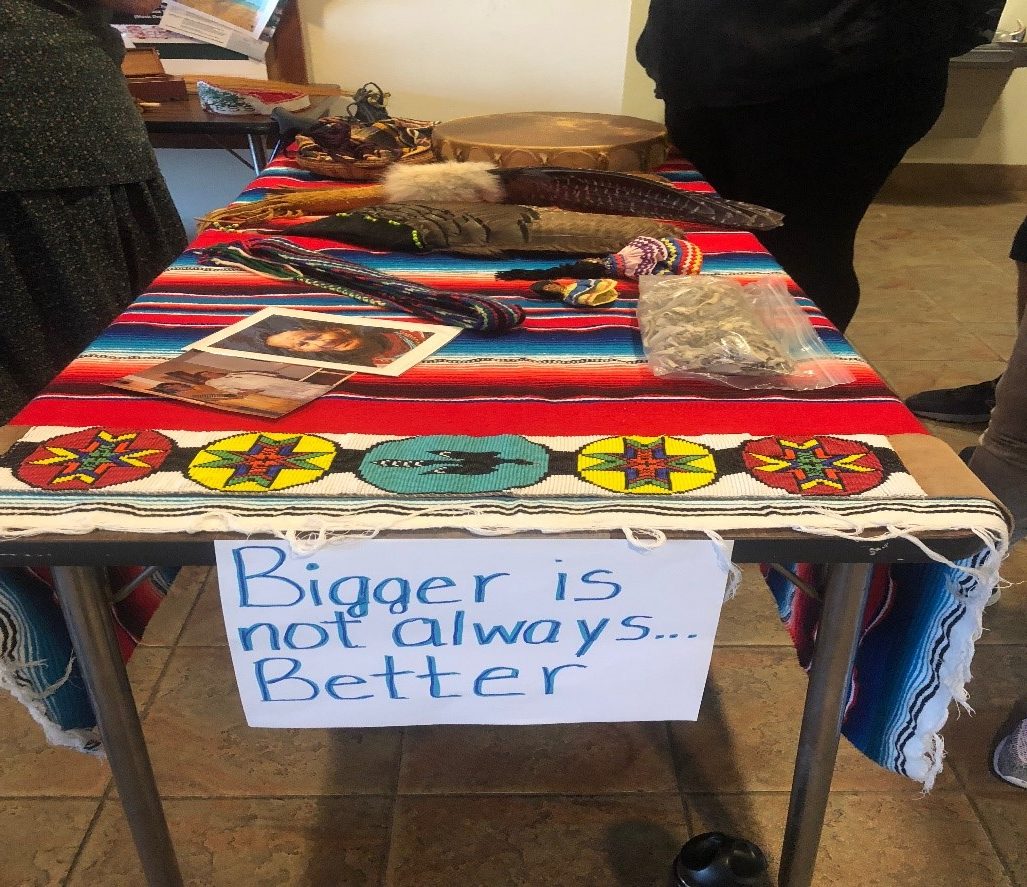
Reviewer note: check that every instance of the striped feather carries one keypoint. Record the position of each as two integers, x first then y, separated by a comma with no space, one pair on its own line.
630,195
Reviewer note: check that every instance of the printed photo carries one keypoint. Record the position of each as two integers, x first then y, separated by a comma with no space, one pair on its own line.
248,15
307,338
253,387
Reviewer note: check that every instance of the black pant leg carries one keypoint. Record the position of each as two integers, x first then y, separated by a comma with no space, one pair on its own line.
819,156
699,134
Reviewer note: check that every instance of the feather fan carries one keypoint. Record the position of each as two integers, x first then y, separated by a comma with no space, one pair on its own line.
483,229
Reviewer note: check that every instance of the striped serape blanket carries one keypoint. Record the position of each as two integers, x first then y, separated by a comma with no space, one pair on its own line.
559,425
565,372
919,629
37,662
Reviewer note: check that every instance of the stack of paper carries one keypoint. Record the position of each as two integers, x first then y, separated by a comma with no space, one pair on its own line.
241,28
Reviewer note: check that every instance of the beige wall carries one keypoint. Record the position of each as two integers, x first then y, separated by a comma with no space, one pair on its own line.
638,88
983,121
450,58
985,117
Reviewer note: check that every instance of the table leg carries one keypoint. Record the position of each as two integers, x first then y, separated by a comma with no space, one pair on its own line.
258,153
83,593
845,598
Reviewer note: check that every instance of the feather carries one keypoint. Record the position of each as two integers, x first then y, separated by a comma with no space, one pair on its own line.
591,191
483,229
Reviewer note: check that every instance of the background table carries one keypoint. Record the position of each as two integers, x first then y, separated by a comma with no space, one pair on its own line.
187,118
177,124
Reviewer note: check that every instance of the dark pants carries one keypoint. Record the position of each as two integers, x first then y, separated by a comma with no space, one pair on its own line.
819,156
1006,437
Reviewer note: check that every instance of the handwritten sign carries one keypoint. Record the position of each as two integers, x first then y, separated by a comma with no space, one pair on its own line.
453,631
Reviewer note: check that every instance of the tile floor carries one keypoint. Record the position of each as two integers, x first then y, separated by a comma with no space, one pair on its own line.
580,804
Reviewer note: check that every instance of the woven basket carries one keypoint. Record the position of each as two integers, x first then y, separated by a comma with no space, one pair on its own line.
360,170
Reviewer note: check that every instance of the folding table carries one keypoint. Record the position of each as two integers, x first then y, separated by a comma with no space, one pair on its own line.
603,398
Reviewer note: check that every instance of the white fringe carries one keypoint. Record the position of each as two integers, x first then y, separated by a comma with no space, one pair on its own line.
304,542
645,539
81,739
734,572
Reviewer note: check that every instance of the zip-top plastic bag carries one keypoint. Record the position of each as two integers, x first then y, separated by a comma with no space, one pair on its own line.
715,329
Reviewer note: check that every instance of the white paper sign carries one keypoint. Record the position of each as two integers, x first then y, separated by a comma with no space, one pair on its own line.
453,631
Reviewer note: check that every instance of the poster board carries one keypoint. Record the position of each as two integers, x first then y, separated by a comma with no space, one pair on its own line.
480,631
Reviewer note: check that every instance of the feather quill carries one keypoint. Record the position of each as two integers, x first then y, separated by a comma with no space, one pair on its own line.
594,191
629,195
585,191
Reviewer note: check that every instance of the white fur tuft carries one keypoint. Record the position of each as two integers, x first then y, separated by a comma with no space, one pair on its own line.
449,182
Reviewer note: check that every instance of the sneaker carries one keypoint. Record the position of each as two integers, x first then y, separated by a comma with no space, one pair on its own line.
968,404
1010,759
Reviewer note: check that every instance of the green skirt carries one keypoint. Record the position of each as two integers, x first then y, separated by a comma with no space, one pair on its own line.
70,261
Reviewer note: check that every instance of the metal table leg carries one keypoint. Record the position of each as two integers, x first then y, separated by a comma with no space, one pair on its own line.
83,593
258,153
845,598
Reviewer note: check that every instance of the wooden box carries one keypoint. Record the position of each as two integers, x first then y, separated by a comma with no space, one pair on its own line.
146,79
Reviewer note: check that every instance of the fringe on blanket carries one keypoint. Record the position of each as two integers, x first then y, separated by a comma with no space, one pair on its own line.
920,627
37,661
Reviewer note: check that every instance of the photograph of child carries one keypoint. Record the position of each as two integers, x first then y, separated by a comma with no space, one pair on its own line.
311,339
235,384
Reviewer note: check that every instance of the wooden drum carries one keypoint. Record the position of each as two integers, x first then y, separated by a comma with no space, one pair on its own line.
549,138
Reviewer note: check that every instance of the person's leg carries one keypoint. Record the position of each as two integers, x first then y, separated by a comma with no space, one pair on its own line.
819,258
1021,283
1001,459
698,134
1001,462
972,404
816,253
814,246
819,157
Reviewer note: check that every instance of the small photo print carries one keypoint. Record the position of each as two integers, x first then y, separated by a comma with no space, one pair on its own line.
253,387
309,338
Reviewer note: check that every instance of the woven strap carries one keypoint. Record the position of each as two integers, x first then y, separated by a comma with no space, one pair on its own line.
281,259
643,255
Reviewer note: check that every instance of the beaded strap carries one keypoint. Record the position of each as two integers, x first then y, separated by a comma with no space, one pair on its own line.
281,259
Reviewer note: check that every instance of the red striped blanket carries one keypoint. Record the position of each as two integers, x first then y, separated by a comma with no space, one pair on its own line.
565,372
